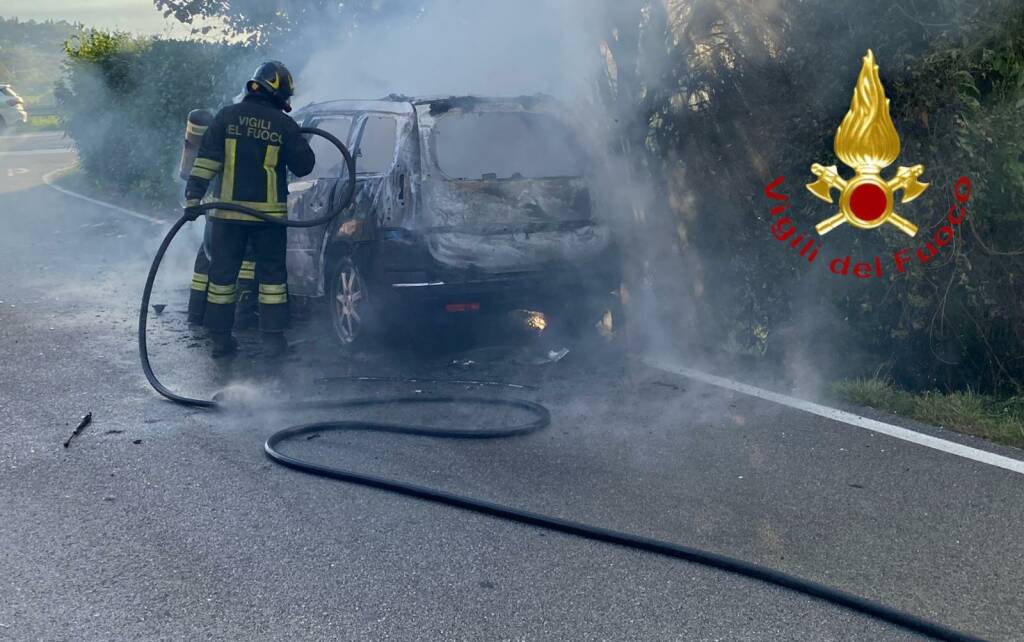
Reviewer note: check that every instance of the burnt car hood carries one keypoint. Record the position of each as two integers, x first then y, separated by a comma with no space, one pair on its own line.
510,225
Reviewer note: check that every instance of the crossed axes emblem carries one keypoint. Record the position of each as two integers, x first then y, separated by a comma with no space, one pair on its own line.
866,200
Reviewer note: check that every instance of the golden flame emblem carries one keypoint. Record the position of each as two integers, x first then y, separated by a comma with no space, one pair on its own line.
868,143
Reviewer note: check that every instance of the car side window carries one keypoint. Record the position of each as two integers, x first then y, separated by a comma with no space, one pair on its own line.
376,150
328,159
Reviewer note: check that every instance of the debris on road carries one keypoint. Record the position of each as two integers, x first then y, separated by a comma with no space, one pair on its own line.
549,356
86,420
159,308
136,441
665,384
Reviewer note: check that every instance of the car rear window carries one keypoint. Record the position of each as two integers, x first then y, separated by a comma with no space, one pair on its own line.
376,150
481,145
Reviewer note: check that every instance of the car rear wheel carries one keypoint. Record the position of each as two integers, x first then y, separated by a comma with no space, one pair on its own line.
350,302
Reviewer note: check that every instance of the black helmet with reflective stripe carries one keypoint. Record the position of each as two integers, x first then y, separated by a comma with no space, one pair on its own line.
273,79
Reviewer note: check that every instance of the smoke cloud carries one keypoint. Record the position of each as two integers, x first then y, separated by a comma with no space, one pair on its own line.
457,47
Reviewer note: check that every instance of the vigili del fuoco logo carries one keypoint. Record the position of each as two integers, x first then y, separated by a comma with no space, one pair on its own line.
867,142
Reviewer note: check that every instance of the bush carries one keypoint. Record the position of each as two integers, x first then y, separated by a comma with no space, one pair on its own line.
125,99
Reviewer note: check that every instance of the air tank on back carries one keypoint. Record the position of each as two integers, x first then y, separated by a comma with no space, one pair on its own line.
198,122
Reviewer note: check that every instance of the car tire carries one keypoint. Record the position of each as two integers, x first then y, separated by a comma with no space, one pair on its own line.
350,304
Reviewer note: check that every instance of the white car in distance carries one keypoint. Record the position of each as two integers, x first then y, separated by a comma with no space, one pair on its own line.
12,108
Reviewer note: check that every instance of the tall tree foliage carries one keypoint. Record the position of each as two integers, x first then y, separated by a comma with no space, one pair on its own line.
277,21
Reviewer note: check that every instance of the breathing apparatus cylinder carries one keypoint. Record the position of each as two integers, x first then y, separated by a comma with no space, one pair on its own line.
198,122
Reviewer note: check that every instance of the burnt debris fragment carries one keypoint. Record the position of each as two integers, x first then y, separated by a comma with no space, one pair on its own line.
86,420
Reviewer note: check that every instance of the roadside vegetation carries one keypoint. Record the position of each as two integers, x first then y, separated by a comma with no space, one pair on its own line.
124,100
998,420
49,122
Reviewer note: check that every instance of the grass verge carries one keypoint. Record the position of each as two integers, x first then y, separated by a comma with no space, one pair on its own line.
998,420
42,123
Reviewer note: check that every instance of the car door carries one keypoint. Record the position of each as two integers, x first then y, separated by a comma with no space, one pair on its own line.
310,197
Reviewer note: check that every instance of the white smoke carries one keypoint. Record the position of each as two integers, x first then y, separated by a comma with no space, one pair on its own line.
459,47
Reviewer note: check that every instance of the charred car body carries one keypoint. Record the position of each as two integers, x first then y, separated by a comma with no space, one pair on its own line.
462,205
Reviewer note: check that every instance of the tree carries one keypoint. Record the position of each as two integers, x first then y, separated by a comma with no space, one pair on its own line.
264,21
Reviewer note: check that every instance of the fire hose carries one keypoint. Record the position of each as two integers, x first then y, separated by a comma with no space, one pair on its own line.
541,418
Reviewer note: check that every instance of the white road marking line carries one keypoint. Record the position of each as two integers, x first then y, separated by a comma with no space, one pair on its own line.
52,134
16,171
35,152
48,179
921,439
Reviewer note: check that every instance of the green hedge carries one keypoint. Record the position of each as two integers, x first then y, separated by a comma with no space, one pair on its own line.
125,99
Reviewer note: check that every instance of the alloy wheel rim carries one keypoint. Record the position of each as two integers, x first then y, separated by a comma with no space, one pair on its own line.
349,300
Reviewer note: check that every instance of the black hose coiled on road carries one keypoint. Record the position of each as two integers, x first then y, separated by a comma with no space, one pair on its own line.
541,420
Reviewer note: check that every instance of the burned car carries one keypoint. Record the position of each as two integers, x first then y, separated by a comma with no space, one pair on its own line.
463,206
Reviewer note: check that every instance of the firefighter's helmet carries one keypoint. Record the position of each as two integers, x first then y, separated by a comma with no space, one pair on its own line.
273,79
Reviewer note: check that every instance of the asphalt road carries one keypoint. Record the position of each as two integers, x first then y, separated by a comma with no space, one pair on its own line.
161,522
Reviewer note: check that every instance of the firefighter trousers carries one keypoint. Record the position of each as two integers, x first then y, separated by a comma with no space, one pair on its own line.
201,278
228,242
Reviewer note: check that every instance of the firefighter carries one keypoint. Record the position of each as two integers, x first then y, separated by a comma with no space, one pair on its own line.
249,148
199,120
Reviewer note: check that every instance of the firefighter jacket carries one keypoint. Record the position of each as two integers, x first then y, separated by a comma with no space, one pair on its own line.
248,149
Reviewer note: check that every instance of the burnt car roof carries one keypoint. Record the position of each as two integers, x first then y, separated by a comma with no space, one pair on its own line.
472,100
400,104
355,105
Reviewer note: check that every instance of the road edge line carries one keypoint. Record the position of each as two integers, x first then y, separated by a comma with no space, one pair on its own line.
34,152
48,180
32,134
842,416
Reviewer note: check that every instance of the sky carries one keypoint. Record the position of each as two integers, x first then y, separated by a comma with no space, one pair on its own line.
131,15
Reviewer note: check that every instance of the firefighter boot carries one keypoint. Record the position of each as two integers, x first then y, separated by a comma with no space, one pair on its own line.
274,344
223,344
